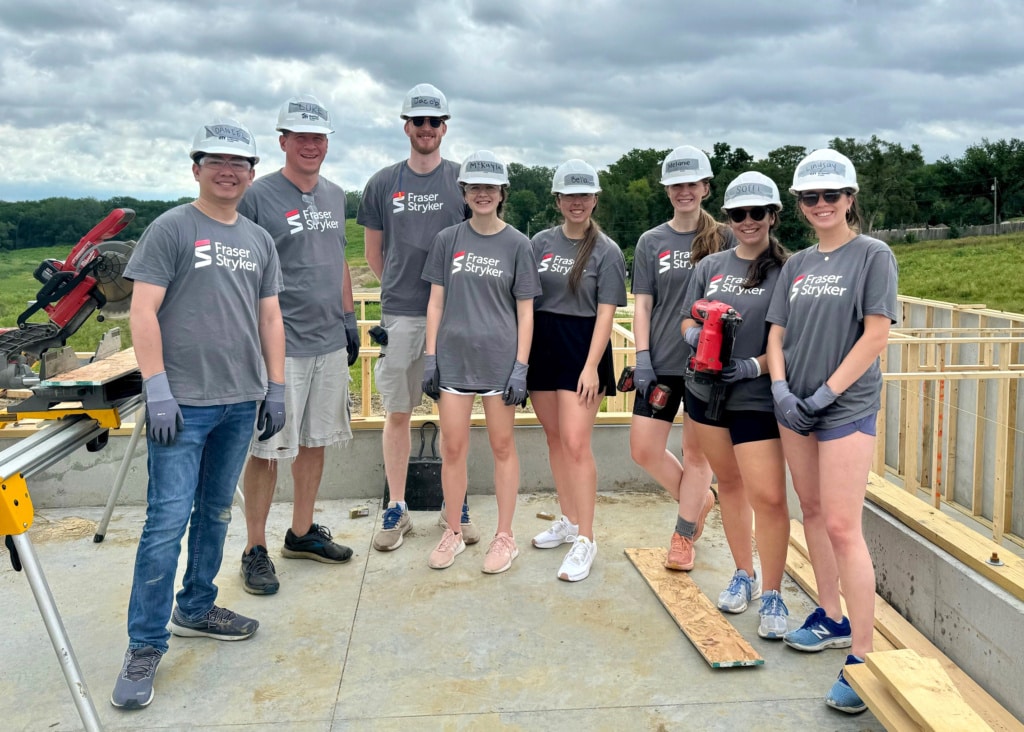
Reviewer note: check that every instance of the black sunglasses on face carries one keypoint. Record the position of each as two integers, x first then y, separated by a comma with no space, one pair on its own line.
810,198
739,215
435,122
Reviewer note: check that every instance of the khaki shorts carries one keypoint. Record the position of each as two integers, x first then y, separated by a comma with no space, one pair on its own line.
399,370
316,406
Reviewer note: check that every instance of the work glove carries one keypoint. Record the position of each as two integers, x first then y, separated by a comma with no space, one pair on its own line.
378,335
271,416
643,373
515,390
163,416
431,377
692,335
740,369
352,336
789,410
820,399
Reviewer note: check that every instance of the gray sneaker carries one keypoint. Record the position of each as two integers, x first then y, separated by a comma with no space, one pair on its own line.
394,526
257,572
134,686
220,624
773,614
742,590
470,533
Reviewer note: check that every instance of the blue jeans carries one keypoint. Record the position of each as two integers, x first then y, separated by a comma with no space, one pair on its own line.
191,483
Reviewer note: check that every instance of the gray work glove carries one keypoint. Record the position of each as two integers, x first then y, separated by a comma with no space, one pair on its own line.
643,373
431,377
789,410
820,399
163,416
740,369
352,336
515,390
692,335
271,416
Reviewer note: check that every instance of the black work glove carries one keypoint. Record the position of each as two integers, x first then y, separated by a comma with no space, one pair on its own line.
431,377
271,416
378,335
352,336
515,389
789,410
163,416
643,373
740,369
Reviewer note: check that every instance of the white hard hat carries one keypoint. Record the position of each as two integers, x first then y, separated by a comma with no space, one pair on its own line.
425,100
483,166
824,169
304,113
685,164
224,136
575,176
752,189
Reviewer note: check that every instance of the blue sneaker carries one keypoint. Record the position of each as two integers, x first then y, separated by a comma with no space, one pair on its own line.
773,614
742,589
842,696
819,632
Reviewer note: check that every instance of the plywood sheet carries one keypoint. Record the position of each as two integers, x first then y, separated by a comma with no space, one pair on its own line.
881,703
713,636
98,373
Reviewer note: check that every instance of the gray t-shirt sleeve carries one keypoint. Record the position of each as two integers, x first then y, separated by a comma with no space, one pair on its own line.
611,279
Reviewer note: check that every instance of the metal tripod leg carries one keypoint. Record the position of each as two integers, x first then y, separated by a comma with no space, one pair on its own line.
122,473
58,635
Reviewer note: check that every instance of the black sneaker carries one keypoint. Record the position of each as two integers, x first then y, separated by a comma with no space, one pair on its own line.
316,545
257,572
134,686
220,624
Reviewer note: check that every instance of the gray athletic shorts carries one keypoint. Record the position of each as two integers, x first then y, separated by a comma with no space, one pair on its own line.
316,406
399,370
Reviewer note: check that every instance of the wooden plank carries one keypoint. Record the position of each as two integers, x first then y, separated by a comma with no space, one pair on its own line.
713,636
898,632
925,691
954,416
876,695
98,373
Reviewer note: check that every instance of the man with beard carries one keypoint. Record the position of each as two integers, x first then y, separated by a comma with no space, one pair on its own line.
403,207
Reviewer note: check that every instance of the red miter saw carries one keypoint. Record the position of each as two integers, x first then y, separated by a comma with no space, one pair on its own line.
90,279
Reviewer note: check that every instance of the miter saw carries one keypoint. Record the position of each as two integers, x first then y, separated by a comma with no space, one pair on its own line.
91,278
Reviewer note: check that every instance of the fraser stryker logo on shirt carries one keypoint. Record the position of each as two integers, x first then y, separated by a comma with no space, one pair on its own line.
311,220
232,258
669,260
730,284
415,202
551,262
817,286
475,264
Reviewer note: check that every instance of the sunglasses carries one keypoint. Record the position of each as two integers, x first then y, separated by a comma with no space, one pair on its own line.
435,122
739,215
810,198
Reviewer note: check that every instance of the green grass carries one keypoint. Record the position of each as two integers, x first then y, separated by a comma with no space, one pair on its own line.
974,270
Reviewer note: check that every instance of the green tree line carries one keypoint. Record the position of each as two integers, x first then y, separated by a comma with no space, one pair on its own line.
898,188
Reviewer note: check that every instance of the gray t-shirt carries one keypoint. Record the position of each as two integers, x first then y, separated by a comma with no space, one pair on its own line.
309,231
603,281
215,276
720,277
483,277
821,301
410,209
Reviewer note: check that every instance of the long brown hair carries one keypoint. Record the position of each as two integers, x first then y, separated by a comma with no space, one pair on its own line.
586,248
708,239
774,256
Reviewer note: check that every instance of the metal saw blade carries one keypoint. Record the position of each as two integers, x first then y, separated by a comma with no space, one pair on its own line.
111,260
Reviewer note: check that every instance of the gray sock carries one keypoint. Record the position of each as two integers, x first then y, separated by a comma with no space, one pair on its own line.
685,528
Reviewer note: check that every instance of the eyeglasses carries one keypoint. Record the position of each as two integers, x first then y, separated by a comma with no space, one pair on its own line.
239,165
435,122
739,215
810,198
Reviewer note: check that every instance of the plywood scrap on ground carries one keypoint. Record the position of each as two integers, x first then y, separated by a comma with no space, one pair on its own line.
99,372
876,694
714,637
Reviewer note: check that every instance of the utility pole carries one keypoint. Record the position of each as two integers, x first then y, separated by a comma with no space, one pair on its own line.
995,206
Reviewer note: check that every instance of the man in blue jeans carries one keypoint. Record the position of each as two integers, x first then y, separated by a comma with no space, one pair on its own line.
209,338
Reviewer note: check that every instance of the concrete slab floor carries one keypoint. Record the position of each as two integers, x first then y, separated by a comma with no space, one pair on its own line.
386,643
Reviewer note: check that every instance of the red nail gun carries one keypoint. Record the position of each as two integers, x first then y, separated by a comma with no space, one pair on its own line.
714,350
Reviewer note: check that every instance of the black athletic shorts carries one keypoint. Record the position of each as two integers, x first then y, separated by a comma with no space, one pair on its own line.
642,407
559,351
743,426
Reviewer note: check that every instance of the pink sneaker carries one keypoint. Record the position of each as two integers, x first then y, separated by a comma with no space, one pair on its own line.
681,554
450,546
500,554
709,503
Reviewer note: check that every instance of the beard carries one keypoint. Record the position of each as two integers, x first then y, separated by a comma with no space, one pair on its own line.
425,146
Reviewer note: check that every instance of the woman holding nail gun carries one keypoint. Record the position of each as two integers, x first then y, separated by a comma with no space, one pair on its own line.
731,409
662,267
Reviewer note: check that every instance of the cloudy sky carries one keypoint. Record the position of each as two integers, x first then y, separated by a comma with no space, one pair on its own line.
102,97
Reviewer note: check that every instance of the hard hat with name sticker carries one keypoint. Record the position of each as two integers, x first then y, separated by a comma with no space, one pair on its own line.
224,136
752,189
824,170
575,176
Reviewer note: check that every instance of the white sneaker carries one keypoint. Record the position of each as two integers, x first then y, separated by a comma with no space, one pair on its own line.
577,563
560,532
